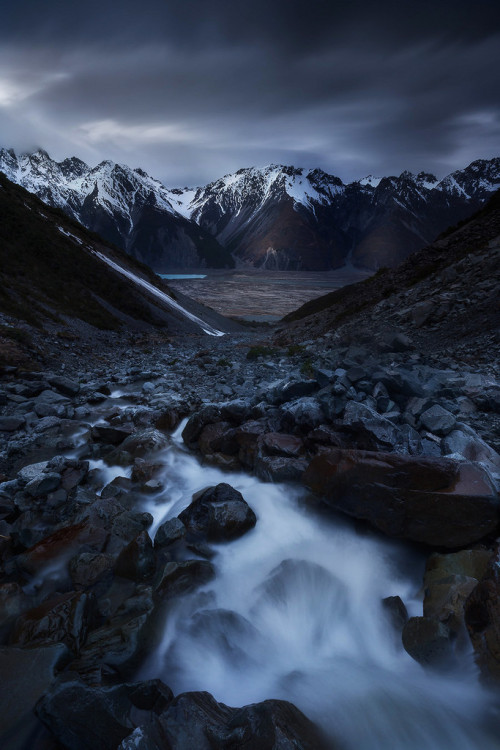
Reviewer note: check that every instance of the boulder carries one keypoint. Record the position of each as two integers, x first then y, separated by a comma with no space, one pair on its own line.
435,501
279,468
179,578
289,390
444,600
195,424
218,438
25,675
437,420
144,442
114,435
373,431
472,563
11,424
482,618
63,618
396,611
218,514
64,385
428,641
196,720
302,415
280,444
81,717
137,560
169,533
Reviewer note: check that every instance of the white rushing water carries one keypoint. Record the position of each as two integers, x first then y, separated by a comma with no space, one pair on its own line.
294,613
206,327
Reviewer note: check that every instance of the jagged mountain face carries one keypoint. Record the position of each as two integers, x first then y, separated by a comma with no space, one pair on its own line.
55,274
271,218
125,206
289,218
278,217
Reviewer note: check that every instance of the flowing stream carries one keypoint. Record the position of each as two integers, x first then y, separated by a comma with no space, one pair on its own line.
295,613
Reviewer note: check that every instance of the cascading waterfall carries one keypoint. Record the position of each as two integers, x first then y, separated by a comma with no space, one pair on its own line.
295,613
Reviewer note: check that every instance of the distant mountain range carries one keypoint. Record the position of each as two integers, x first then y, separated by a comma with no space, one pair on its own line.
278,217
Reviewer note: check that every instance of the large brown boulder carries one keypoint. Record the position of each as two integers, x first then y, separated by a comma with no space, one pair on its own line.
482,618
436,501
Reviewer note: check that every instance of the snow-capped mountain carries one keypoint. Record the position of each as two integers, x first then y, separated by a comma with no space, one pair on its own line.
125,206
280,217
284,217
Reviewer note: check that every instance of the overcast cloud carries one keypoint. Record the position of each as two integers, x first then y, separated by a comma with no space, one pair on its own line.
191,90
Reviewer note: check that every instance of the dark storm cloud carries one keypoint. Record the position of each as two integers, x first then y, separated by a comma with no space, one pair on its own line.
191,90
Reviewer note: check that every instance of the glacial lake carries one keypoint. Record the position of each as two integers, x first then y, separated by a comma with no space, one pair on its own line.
261,296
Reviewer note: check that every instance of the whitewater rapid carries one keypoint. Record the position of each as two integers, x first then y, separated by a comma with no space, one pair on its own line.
295,613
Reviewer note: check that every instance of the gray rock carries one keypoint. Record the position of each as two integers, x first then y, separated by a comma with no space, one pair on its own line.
437,420
288,390
43,484
26,675
32,471
169,532
51,397
304,415
64,385
380,432
11,424
428,641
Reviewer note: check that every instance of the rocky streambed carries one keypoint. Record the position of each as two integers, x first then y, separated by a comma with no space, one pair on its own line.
180,568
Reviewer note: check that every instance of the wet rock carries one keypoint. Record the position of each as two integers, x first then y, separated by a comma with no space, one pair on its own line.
302,415
218,514
279,468
428,641
287,390
144,442
444,600
11,424
396,611
64,542
143,471
375,431
127,636
169,532
137,560
280,444
482,618
111,434
195,424
435,501
25,675
64,618
89,568
465,441
43,484
218,438
179,578
196,720
82,717
437,420
64,385
247,436
472,563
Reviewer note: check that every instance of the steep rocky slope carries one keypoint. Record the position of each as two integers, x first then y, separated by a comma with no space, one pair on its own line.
125,206
445,297
56,276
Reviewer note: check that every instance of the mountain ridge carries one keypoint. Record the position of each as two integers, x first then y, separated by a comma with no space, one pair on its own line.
276,217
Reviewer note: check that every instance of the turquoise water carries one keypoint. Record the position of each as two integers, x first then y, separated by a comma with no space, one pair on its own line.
182,276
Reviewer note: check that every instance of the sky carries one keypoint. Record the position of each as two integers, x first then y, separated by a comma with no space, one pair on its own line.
190,90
